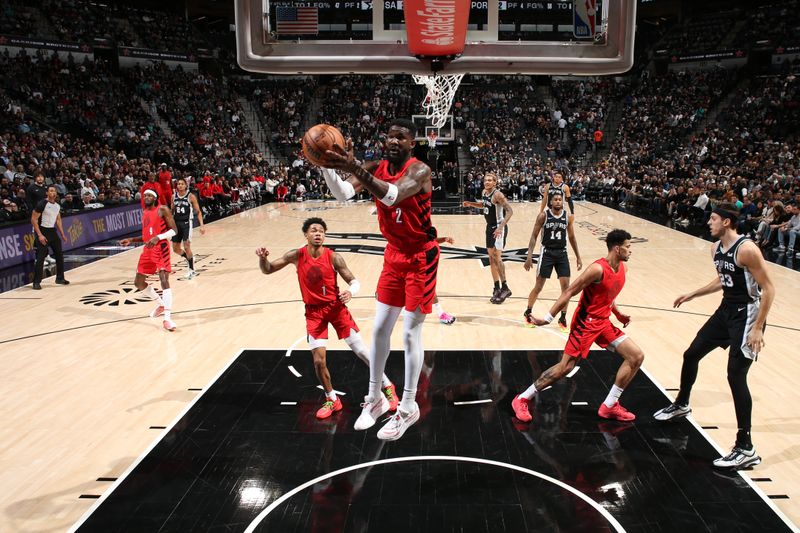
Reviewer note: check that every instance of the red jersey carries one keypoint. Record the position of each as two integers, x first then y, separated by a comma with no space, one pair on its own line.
317,277
597,298
406,225
165,180
154,185
152,224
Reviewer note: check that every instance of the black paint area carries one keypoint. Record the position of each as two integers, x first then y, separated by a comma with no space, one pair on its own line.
238,450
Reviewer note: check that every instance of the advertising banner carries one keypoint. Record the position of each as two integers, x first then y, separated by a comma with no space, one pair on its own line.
17,243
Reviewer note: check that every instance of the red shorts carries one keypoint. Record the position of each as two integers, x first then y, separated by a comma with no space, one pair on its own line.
155,259
587,330
409,279
335,313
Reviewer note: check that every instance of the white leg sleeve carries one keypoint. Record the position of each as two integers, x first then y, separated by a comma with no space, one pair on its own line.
356,344
385,319
341,189
414,355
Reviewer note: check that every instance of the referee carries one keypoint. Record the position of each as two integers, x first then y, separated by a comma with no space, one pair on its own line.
46,216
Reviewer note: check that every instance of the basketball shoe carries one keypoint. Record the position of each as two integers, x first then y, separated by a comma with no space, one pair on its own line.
398,424
446,318
495,294
615,412
504,293
562,325
528,319
370,411
191,274
158,311
672,411
169,325
739,458
520,407
391,396
328,408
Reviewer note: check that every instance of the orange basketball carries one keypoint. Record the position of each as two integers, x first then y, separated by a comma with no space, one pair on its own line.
318,139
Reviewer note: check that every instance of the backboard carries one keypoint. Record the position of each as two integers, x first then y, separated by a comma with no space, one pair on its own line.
368,37
444,134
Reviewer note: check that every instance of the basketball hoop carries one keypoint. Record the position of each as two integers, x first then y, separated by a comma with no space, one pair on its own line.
432,136
441,90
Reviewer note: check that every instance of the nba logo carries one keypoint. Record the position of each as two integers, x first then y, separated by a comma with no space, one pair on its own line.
584,12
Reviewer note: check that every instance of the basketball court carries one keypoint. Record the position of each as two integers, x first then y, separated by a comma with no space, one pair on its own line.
111,423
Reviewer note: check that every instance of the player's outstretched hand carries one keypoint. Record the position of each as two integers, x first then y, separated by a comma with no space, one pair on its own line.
152,242
683,298
345,296
124,242
539,321
341,158
262,252
465,203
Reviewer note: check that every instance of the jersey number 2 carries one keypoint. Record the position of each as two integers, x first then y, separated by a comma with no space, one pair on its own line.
398,215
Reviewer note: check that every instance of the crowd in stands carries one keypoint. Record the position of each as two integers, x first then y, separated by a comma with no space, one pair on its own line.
702,33
776,22
119,127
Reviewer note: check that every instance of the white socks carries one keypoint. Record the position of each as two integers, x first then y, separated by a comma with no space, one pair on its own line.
331,396
151,293
412,344
437,309
530,392
166,296
385,319
613,396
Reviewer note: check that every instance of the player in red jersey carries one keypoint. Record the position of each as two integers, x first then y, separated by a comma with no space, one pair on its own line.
158,227
402,188
165,180
600,283
317,267
152,185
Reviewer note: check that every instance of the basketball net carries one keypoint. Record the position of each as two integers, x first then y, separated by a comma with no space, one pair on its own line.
432,136
441,91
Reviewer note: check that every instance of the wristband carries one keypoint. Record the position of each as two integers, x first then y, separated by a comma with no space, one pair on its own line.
391,195
355,286
166,235
548,318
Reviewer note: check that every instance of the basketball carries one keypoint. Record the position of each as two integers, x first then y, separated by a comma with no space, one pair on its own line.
318,139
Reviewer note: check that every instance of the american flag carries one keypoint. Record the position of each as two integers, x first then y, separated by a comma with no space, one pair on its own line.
297,20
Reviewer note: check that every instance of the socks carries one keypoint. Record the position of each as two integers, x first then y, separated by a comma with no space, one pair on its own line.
563,317
613,396
330,396
166,295
190,260
529,393
437,309
743,439
527,311
496,285
151,293
504,285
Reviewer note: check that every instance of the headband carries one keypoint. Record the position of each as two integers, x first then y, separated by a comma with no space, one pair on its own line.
151,191
724,213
